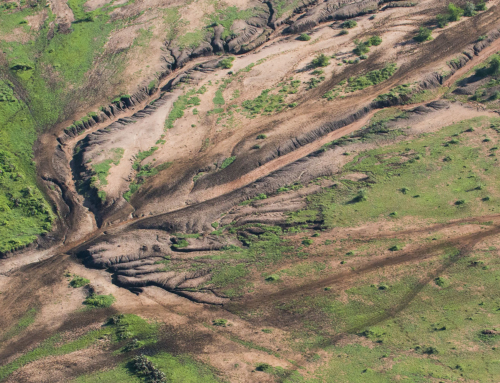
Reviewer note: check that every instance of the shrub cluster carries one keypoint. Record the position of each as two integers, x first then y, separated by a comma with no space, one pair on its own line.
143,366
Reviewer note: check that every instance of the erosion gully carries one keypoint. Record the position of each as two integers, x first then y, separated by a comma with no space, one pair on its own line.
11,264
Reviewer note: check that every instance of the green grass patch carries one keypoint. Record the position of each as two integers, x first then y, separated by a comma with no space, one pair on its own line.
78,281
99,301
23,323
418,167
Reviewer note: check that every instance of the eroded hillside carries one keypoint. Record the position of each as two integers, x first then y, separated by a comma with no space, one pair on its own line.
249,191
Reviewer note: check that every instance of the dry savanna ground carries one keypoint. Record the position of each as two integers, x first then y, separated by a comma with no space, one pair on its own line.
250,192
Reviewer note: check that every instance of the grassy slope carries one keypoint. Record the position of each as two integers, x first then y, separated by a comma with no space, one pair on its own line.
46,73
438,335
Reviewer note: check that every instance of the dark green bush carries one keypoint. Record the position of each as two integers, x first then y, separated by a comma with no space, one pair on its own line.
424,34
349,24
320,61
304,37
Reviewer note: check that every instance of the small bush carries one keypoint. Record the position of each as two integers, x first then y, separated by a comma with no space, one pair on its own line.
375,40
79,282
99,301
440,281
431,351
442,20
469,9
226,63
264,367
307,242
304,37
220,322
261,137
320,61
487,198
460,202
267,330
343,32
383,286
273,278
349,24
405,190
424,34
481,6
454,12
395,248
362,196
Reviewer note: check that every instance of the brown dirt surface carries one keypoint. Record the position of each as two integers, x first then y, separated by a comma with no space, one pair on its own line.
158,254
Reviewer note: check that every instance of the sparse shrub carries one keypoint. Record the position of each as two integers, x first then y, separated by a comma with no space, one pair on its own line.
395,248
492,69
393,214
447,159
361,196
442,20
343,32
315,235
469,9
256,147
460,202
320,61
143,366
215,225
307,242
405,190
304,37
361,47
220,322
264,367
226,63
424,34
481,6
349,24
228,161
375,40
440,281
99,301
261,137
79,282
267,330
454,12
431,350
487,198
383,286
273,278
181,243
